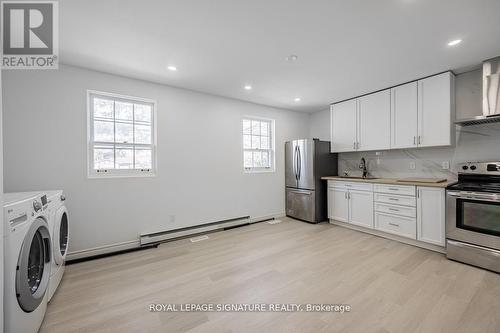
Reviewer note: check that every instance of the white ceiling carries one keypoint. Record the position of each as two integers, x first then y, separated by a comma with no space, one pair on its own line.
345,47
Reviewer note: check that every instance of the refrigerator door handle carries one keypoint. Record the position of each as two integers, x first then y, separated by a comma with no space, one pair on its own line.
299,164
295,162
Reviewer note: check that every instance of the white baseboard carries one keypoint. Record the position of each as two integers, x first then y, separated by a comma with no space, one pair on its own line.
135,243
267,217
400,239
109,248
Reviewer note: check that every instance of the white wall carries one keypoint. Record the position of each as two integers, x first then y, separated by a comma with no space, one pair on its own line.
319,125
200,177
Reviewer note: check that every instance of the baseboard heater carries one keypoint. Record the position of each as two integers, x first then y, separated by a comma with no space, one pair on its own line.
163,236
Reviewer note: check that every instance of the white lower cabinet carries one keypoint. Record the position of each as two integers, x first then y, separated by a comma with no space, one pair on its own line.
431,215
395,210
351,203
394,224
338,204
416,212
361,208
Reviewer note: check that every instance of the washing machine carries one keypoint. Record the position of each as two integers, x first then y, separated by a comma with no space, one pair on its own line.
27,260
58,224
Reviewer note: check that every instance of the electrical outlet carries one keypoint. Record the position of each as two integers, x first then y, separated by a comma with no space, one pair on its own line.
413,165
445,165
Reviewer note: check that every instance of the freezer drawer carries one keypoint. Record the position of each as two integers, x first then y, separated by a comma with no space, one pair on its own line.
301,204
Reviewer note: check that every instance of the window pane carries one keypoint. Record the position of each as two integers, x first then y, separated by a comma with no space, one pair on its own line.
143,134
103,108
247,126
255,127
103,131
124,111
124,158
264,128
124,133
143,159
247,141
247,159
255,142
265,159
257,159
142,112
103,158
264,142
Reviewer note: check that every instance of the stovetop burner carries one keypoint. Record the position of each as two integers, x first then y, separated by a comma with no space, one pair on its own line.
479,187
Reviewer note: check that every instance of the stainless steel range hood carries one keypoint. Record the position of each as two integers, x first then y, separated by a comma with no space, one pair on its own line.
491,95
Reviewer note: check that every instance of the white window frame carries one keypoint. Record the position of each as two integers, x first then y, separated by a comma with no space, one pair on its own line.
119,173
272,145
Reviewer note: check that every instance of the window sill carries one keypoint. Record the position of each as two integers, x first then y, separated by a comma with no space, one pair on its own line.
111,175
259,171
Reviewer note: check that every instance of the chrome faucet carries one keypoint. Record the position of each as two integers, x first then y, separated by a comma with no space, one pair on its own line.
362,166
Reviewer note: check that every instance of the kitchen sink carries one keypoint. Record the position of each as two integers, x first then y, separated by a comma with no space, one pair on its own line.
357,177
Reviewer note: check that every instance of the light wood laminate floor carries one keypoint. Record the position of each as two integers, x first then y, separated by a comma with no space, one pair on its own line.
392,287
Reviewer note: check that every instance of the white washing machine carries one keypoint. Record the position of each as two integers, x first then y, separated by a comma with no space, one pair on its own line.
58,224
27,258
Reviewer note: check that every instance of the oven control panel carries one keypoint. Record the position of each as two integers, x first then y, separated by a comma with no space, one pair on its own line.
485,168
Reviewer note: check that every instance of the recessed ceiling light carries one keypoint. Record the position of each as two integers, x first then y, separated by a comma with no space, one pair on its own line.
454,42
297,99
291,57
248,87
172,68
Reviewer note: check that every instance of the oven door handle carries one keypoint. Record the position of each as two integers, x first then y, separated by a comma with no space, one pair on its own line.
474,196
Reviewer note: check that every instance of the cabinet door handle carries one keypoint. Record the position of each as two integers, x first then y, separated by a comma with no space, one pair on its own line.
345,195
394,224
414,140
354,145
393,199
394,209
419,140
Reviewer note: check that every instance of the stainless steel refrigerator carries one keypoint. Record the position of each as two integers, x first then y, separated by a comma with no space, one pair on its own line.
306,161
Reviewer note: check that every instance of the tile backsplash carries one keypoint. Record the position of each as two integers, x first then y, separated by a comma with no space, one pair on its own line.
473,143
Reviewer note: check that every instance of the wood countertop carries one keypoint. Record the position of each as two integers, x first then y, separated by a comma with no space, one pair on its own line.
390,181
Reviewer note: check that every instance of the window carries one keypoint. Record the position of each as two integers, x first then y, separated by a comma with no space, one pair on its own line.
121,135
258,145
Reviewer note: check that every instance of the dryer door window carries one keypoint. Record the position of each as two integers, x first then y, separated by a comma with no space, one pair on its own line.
33,267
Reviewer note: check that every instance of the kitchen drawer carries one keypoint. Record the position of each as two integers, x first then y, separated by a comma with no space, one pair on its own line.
395,199
398,225
395,189
396,210
351,185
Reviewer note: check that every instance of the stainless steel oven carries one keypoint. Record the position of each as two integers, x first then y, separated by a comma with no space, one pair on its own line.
473,216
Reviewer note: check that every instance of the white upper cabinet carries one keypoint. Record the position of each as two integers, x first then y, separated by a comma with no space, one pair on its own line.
343,127
404,108
436,110
374,121
416,114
